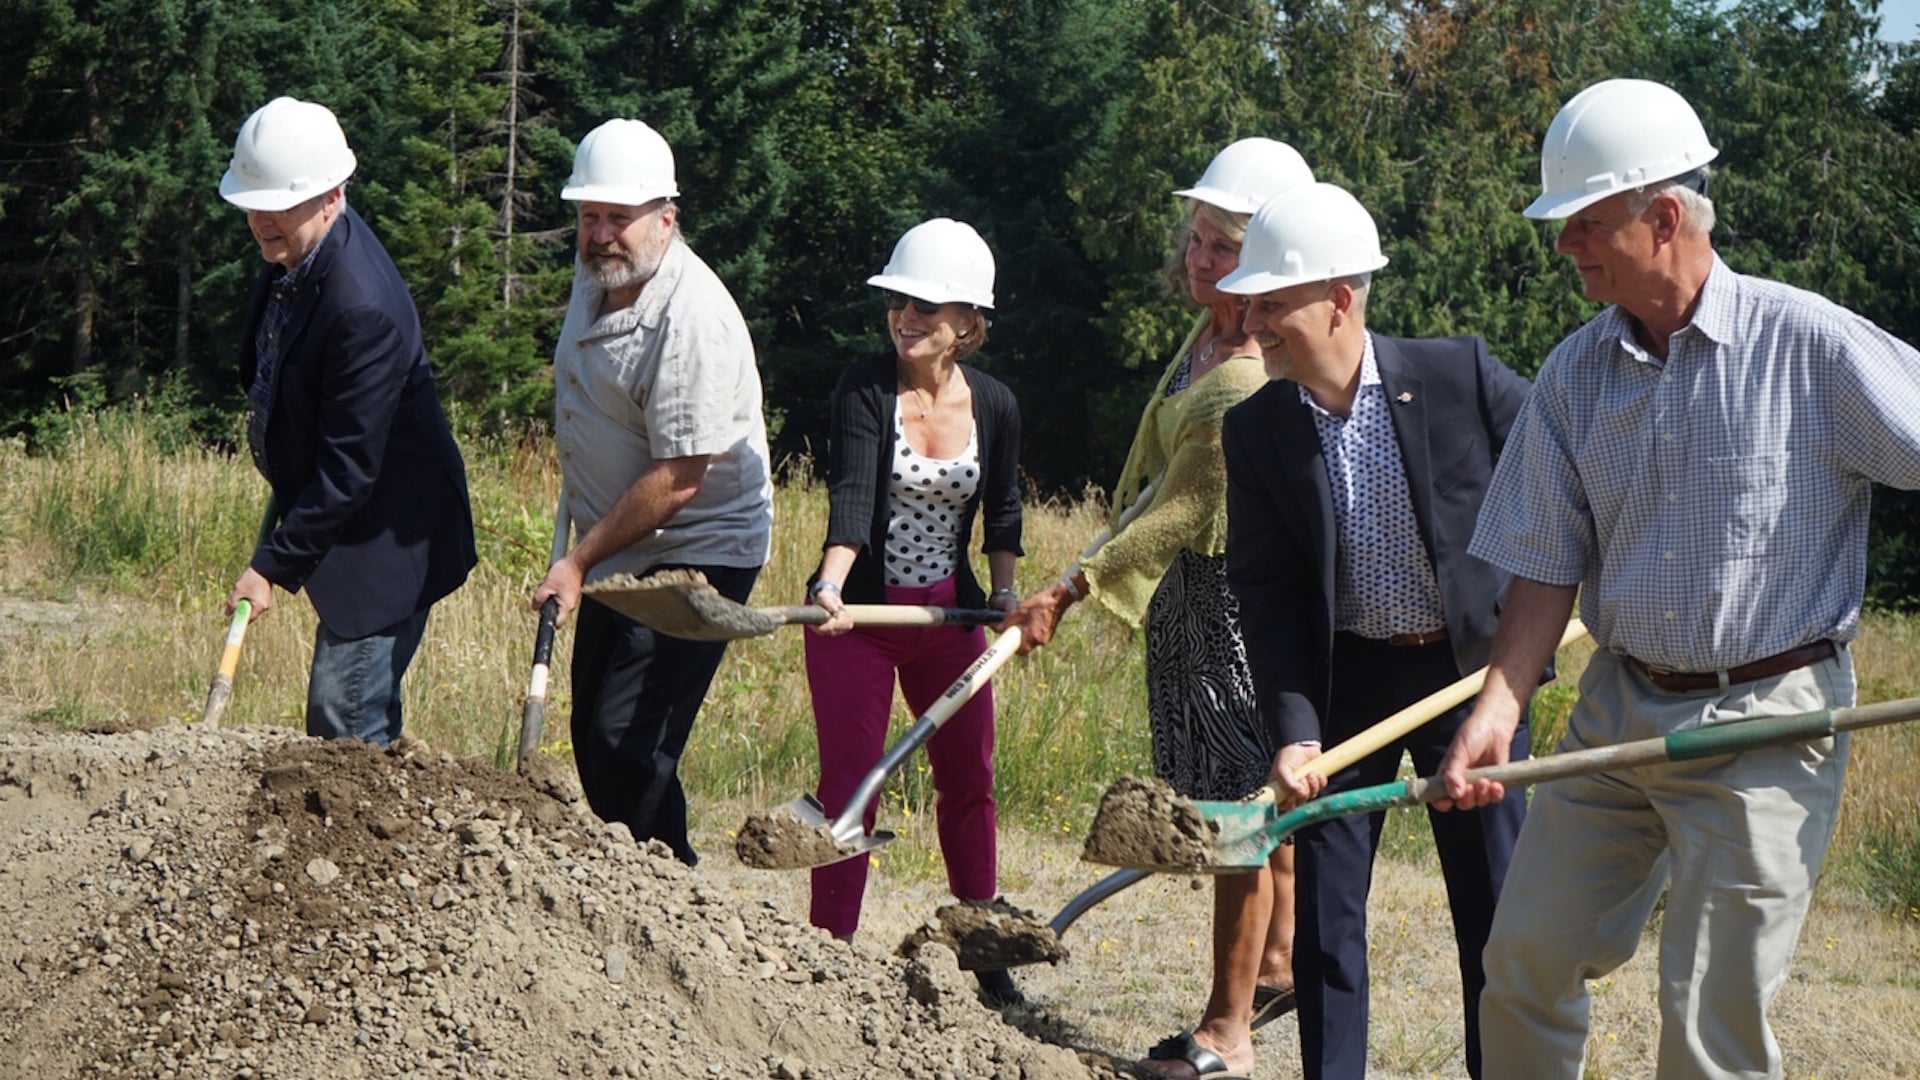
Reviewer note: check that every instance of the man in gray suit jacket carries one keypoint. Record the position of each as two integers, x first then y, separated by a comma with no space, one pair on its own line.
1353,484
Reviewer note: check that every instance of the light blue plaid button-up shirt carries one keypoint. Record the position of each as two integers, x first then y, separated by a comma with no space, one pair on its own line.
1712,508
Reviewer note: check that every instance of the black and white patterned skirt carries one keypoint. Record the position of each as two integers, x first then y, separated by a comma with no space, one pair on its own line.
1208,741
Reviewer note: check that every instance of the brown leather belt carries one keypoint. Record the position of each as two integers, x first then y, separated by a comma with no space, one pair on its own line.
1681,682
1427,638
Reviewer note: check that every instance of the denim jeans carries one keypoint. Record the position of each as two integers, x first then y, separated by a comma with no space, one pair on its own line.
353,690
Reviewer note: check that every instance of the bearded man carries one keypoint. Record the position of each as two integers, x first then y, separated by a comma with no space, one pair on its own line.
663,453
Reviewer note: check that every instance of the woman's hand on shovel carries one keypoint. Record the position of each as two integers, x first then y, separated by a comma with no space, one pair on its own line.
825,595
256,590
1038,616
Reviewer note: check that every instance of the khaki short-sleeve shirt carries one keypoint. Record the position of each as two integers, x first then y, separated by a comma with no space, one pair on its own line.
672,375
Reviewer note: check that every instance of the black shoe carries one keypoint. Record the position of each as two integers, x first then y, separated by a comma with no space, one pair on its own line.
997,990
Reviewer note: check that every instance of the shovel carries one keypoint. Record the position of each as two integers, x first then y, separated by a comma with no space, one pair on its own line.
1240,817
799,834
533,714
1250,852
681,603
220,692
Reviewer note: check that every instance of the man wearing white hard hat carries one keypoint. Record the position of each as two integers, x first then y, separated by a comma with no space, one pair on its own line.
368,485
1161,568
663,454
1695,465
1352,490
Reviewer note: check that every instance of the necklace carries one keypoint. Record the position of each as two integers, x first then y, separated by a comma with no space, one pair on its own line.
919,395
1203,358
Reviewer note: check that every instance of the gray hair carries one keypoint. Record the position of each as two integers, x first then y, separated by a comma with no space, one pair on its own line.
1360,284
1696,210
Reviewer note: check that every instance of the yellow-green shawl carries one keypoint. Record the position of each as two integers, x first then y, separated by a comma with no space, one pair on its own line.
1177,448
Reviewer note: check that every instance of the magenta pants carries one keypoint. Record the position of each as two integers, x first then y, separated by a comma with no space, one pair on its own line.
851,680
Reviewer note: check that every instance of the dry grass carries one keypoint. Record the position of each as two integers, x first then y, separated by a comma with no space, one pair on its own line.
115,560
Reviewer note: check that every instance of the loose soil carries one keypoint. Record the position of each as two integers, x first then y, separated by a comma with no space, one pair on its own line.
258,904
990,935
1145,823
776,840
165,911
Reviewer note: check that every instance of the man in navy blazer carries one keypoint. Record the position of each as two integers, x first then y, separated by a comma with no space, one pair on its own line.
1353,484
368,484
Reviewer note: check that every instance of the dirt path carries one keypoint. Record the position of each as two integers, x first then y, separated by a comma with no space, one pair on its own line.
256,904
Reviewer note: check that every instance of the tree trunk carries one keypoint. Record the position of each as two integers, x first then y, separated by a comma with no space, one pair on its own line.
86,300
513,153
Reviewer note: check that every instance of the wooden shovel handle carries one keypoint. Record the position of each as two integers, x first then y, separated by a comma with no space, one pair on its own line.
889,615
1388,731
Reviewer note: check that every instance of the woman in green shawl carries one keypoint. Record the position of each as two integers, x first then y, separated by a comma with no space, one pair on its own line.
1163,568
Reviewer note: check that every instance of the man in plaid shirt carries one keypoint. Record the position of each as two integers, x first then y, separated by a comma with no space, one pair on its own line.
1695,463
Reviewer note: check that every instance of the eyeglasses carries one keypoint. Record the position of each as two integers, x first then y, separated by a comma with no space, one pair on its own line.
897,301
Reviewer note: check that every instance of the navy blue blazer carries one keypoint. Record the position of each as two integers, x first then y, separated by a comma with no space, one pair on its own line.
369,484
1452,405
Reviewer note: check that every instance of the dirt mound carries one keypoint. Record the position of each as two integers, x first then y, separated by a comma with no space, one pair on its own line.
257,904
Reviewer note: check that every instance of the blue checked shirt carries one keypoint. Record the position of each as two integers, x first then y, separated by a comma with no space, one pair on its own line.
1383,581
267,340
1712,508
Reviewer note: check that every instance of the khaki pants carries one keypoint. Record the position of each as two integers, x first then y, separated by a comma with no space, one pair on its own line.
1739,839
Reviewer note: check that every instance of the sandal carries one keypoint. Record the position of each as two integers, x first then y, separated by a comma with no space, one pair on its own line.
1270,1003
1206,1064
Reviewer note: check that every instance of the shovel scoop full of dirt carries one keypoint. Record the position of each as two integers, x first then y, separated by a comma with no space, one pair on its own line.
988,935
776,840
1144,823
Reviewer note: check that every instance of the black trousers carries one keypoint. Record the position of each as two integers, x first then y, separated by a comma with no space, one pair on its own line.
1334,859
635,695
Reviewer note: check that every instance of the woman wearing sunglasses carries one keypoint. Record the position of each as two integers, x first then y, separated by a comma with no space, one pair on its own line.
1164,569
920,445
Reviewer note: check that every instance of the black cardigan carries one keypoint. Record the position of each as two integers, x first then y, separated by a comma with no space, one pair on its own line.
860,452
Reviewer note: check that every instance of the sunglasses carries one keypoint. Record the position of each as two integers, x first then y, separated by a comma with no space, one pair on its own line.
898,301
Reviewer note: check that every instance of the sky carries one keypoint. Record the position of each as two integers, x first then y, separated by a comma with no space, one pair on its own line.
1897,19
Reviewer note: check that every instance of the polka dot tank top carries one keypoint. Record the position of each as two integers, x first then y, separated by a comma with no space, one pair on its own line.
926,499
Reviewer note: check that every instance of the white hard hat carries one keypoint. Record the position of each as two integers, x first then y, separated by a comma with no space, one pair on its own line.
624,162
1613,136
288,151
1248,173
1313,233
942,261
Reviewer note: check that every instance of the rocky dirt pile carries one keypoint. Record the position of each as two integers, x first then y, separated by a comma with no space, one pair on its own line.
252,903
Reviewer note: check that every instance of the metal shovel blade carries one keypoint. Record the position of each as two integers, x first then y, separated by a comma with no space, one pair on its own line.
798,833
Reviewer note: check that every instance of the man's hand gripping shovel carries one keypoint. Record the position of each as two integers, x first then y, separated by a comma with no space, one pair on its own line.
1243,832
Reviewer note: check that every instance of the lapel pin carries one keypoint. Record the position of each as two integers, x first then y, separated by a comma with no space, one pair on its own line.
1405,396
